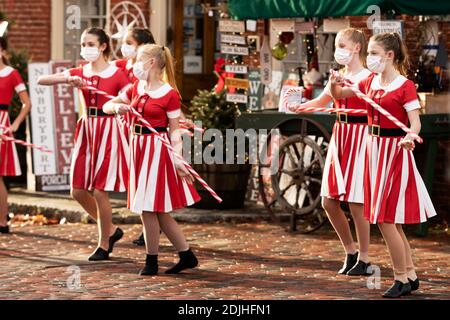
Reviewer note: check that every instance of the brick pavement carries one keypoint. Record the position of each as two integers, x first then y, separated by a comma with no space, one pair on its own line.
237,261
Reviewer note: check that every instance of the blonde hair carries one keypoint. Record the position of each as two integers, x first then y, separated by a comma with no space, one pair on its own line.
164,61
392,41
357,36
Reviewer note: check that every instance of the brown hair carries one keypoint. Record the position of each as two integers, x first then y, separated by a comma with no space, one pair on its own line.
357,36
142,36
392,41
4,46
103,38
164,61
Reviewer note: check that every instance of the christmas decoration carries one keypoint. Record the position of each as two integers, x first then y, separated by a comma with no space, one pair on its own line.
279,51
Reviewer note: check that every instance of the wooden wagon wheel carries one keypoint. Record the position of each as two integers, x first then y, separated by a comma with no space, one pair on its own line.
305,219
297,181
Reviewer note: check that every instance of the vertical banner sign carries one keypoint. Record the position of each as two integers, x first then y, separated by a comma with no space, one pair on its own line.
65,120
253,186
53,123
255,89
266,62
42,121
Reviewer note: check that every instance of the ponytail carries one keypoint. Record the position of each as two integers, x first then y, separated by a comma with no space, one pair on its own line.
170,69
164,60
392,41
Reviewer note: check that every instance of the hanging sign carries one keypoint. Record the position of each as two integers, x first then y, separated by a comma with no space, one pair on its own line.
282,25
236,98
233,50
388,26
231,38
236,68
231,26
236,83
335,25
266,62
304,27
42,120
255,90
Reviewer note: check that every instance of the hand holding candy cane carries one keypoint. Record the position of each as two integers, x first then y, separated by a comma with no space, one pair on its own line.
359,94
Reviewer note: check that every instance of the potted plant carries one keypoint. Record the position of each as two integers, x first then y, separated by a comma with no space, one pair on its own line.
228,180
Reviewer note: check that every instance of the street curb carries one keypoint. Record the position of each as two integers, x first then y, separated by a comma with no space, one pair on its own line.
123,216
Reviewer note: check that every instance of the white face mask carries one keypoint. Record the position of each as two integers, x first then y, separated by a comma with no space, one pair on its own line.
343,56
128,51
90,53
139,72
374,64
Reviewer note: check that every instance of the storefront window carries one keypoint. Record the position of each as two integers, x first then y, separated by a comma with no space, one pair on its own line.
93,14
193,36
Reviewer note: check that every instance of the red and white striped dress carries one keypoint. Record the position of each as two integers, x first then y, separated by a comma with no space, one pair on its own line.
394,189
10,82
154,183
344,166
100,155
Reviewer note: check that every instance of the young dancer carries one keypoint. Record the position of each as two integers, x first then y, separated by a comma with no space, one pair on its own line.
159,183
344,166
132,40
10,82
395,193
100,156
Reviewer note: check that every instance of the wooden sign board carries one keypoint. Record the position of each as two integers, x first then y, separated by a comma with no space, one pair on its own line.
388,26
304,27
231,26
242,51
237,98
255,89
266,62
236,68
231,38
236,83
282,25
335,25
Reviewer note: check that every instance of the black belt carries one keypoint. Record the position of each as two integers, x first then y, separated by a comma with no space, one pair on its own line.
96,112
4,107
375,130
139,129
345,118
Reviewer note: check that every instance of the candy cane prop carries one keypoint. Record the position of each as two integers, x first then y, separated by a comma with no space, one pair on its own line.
166,143
380,109
296,107
183,123
26,144
178,156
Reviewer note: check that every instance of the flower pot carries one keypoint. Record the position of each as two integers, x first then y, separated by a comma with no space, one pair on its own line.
229,181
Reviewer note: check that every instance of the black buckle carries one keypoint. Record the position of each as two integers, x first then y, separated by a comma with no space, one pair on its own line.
93,112
376,132
137,129
342,117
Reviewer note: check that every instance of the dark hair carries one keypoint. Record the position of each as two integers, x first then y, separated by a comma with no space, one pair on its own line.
102,38
393,41
4,46
142,36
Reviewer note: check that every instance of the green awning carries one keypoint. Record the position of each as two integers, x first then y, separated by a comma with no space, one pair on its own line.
267,9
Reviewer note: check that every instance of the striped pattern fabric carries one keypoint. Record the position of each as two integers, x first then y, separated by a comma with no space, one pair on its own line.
394,189
154,183
343,173
9,161
100,156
